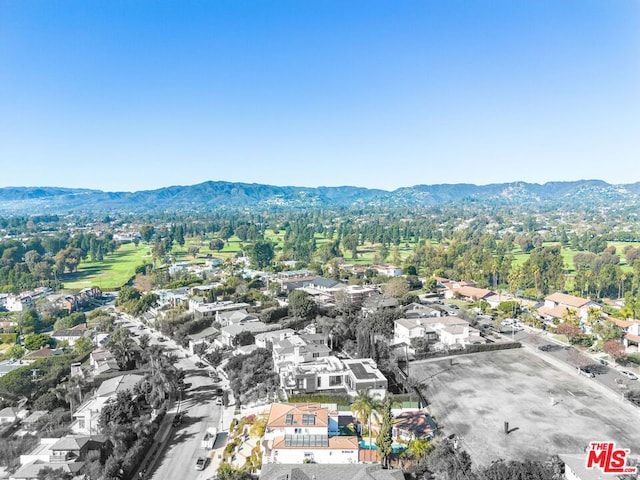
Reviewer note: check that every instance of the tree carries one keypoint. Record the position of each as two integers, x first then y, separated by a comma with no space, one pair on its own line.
28,321
261,254
147,232
397,287
449,462
216,244
121,345
614,349
34,341
364,407
301,305
572,332
244,338
384,440
15,351
71,391
229,472
527,469
82,345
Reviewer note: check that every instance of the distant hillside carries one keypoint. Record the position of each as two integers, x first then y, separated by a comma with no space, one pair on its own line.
227,195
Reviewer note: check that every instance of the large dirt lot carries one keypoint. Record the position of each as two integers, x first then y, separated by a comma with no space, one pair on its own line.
549,410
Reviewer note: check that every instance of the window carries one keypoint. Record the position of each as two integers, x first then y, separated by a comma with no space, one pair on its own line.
335,380
318,382
308,419
316,355
297,431
289,419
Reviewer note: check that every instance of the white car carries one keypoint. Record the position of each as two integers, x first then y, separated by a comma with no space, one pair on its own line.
628,374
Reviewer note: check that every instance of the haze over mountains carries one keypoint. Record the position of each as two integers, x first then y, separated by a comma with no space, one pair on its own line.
232,195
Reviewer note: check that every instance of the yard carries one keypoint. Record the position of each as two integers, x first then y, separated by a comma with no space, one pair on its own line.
549,410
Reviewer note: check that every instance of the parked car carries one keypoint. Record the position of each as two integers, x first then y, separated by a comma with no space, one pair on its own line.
200,365
201,462
162,339
219,401
628,374
586,372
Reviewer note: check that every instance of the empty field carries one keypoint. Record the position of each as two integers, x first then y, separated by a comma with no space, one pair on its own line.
549,410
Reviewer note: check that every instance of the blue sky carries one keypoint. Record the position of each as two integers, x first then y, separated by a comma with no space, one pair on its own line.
132,95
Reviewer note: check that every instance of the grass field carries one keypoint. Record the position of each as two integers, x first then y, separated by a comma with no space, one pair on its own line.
113,272
549,410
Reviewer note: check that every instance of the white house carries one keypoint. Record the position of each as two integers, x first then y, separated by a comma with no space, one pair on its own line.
387,271
70,335
18,303
87,416
557,305
448,331
306,433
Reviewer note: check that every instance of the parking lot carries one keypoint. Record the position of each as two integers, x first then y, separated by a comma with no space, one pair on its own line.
549,410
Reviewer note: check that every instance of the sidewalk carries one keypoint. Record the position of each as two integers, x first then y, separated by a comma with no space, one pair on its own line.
159,441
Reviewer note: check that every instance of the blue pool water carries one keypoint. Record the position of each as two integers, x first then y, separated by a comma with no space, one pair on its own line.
395,448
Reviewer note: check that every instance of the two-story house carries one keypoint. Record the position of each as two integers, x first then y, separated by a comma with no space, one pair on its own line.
307,433
87,416
558,305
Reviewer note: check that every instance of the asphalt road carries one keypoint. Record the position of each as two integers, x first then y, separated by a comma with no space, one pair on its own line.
178,460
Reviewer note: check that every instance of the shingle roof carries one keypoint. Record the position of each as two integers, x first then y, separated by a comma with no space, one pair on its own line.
70,443
568,300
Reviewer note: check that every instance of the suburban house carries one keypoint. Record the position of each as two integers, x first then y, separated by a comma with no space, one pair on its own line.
558,305
70,335
447,331
87,416
44,352
406,329
267,339
297,349
29,423
417,310
387,271
314,471
8,415
77,301
411,424
211,310
307,433
324,372
172,298
631,328
18,303
102,361
229,333
67,454
378,302
466,292
357,294
206,337
234,317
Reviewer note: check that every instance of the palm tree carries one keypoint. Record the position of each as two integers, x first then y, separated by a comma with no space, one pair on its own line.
71,391
364,407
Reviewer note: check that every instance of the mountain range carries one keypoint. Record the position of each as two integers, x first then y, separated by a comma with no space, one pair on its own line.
233,195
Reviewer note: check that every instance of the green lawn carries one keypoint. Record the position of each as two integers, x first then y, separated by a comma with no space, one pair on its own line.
111,273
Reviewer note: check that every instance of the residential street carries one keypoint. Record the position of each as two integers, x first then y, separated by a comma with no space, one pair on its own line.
178,459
